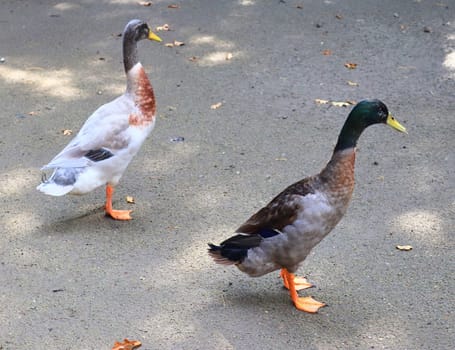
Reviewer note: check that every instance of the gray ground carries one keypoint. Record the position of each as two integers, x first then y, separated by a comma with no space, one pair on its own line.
71,278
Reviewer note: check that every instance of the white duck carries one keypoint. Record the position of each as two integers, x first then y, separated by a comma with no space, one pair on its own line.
111,136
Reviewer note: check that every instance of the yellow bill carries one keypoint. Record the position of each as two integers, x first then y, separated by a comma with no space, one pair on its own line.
391,121
153,36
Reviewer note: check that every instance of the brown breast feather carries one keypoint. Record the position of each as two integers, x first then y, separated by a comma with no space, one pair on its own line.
145,100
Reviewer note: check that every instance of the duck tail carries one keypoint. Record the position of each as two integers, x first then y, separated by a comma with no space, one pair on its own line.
53,189
225,256
58,184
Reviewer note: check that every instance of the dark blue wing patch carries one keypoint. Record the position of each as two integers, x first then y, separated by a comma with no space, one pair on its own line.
268,232
97,155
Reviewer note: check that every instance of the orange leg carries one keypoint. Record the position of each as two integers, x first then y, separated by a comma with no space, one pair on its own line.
299,282
115,214
307,304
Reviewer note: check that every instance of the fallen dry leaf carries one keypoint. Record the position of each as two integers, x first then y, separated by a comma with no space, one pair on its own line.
299,7
32,113
174,6
145,3
164,28
281,159
335,103
126,344
338,16
341,104
351,83
192,59
216,105
405,248
67,132
175,43
130,199
350,65
327,52
229,56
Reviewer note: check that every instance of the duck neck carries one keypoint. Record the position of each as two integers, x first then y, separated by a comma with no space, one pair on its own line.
130,56
338,175
349,134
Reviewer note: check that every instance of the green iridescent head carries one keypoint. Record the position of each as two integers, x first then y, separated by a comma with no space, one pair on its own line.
364,114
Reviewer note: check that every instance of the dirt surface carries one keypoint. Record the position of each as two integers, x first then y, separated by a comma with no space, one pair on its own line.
70,278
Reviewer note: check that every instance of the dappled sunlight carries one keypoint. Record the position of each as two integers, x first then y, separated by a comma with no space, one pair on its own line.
166,165
17,223
422,225
217,58
222,53
114,89
64,6
449,62
247,2
57,83
18,181
211,41
374,332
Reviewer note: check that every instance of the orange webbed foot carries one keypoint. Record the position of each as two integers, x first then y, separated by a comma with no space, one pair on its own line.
299,282
119,214
115,214
308,304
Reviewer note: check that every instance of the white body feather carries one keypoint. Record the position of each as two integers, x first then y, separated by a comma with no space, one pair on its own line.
107,128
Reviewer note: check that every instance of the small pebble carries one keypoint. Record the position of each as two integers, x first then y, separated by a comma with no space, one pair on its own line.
396,15
427,29
99,92
178,139
2,59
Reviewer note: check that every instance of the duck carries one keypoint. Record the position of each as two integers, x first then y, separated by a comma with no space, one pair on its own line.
109,139
282,234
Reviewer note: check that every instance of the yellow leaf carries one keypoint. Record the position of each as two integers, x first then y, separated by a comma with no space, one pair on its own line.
350,65
164,27
169,45
321,102
216,105
130,199
341,104
351,83
404,247
126,344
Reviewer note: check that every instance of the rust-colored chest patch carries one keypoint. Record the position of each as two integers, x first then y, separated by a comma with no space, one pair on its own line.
144,99
339,175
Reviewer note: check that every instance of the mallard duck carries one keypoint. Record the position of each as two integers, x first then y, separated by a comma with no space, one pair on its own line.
282,234
111,136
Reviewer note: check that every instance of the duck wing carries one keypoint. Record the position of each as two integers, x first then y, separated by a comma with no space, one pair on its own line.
104,133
